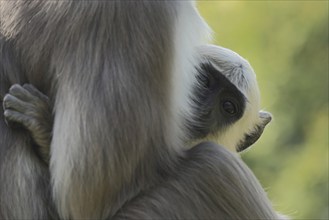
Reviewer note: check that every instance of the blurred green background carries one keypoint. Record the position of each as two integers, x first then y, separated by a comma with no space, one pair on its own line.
287,44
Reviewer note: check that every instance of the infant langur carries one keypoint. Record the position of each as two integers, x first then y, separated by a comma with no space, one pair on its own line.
225,105
226,101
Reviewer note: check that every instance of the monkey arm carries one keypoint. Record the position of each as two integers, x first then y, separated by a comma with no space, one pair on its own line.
27,106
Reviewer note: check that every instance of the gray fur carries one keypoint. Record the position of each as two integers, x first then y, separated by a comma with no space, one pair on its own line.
211,183
75,88
24,179
113,150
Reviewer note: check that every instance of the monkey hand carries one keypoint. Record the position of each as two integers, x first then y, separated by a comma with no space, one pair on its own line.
27,106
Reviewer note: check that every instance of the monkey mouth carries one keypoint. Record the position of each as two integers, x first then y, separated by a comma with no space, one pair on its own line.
251,138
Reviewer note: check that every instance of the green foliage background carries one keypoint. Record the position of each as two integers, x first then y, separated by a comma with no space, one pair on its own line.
287,44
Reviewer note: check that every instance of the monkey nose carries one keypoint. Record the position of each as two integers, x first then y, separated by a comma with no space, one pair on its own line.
266,117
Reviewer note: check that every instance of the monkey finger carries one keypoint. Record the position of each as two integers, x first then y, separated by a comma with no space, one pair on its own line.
35,92
14,117
21,93
14,103
10,120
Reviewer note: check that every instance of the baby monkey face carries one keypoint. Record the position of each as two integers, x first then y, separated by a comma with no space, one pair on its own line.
226,101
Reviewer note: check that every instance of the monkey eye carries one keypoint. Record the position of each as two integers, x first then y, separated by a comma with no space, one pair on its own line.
229,107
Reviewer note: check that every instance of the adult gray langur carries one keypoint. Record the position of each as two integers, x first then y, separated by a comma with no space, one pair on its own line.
119,74
213,92
110,68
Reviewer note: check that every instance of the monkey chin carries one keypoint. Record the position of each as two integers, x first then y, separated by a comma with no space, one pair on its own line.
239,144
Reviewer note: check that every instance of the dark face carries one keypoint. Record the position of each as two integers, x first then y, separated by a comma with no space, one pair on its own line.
217,103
